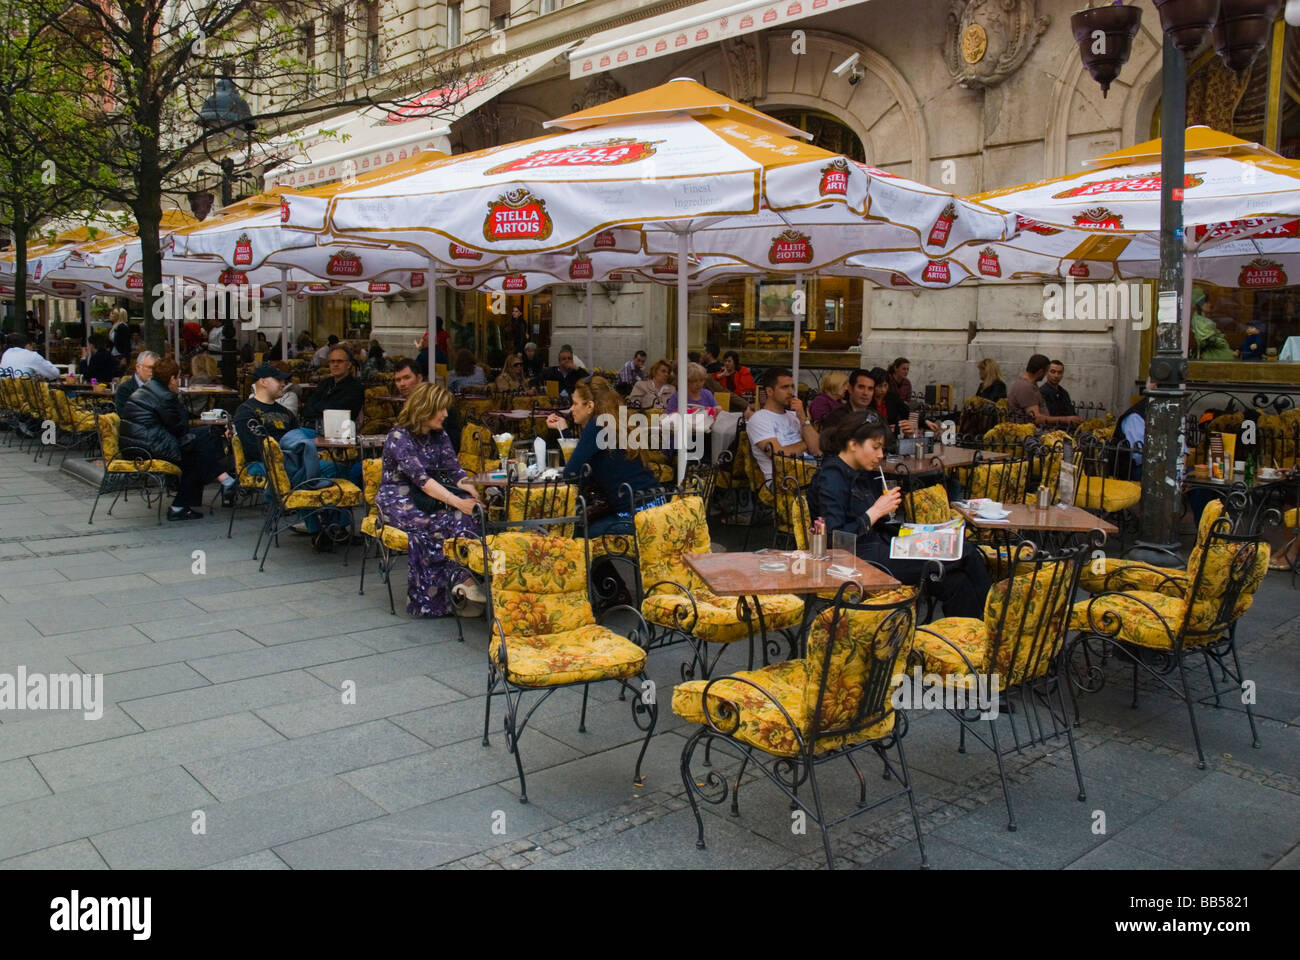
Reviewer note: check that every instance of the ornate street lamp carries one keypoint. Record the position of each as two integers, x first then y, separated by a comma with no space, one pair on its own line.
223,113
1241,28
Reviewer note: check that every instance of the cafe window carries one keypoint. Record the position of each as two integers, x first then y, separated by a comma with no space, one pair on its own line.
1262,106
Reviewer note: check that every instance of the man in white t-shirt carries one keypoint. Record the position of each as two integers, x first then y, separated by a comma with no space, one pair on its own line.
781,426
21,358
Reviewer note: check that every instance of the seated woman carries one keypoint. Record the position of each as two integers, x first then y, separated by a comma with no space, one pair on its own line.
843,495
887,404
511,379
465,373
425,492
899,384
992,386
154,422
611,466
834,387
734,377
653,392
697,398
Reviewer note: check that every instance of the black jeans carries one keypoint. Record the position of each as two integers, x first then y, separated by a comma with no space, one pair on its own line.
201,462
965,584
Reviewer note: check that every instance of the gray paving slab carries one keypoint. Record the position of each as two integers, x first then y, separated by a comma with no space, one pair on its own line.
56,730
75,855
141,655
87,617
106,637
262,860
421,837
235,829
200,625
460,719
286,656
304,758
151,681
19,780
369,701
80,766
68,815
221,699
941,854
386,667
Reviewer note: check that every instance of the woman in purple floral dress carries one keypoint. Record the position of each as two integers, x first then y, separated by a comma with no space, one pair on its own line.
425,492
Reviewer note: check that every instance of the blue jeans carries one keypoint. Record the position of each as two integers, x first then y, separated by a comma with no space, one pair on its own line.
328,470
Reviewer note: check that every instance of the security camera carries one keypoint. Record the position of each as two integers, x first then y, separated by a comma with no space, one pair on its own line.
849,66
855,76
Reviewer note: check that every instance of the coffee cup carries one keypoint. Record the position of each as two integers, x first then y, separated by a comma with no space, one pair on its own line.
990,509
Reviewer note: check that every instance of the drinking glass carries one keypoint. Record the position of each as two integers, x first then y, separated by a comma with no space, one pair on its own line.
567,446
553,458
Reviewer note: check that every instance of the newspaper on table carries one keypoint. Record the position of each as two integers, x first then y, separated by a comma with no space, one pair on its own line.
929,541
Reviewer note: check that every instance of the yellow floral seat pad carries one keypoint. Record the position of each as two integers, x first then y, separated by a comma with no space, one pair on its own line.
1126,575
144,466
966,633
1109,496
1292,518
762,724
392,537
339,493
719,620
585,654
1137,624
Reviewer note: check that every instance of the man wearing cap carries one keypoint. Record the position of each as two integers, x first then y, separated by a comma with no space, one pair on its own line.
260,416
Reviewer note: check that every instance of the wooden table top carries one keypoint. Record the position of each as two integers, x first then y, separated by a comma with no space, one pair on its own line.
220,422
738,574
950,458
365,440
204,390
1056,519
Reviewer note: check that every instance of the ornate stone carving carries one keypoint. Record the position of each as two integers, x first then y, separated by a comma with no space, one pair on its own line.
987,40
601,88
742,68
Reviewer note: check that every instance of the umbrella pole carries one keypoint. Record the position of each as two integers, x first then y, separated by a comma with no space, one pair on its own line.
683,244
798,319
432,319
586,307
1189,273
284,311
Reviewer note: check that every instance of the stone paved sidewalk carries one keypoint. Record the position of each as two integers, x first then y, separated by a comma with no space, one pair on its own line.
225,693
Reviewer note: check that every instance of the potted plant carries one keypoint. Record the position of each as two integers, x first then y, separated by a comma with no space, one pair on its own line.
1242,31
1105,38
1185,22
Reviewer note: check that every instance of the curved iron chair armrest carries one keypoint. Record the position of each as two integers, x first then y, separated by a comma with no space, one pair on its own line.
704,705
695,613
1108,616
503,663
641,630
324,483
965,659
133,454
1165,578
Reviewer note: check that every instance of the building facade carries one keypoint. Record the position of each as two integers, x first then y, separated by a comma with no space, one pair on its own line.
969,95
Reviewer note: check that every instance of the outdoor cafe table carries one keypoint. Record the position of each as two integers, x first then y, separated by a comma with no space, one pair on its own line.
206,393
738,575
365,441
947,459
1250,499
1057,522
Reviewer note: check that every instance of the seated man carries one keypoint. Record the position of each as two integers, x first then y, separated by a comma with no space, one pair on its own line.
100,365
781,426
261,416
634,369
339,391
565,371
21,357
1056,398
144,364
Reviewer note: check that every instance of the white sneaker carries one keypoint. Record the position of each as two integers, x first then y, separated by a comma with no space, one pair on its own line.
300,528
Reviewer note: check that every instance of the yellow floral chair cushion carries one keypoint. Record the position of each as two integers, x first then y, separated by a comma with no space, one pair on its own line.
476,447
1035,611
1292,518
109,424
242,474
1152,619
928,505
1008,436
791,513
1107,495
1002,481
372,474
336,493
543,502
69,418
793,686
665,534
540,600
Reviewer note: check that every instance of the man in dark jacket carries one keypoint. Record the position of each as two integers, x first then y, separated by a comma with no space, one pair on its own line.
156,426
565,372
100,365
339,391
144,363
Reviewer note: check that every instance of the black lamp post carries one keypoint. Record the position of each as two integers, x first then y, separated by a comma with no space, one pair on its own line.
1185,24
225,112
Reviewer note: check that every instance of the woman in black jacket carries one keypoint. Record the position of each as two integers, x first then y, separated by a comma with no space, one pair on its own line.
843,494
155,425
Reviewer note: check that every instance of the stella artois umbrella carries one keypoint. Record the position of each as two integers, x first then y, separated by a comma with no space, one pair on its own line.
673,162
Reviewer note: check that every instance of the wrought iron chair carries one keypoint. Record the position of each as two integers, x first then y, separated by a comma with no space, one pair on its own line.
790,718
250,487
75,426
787,492
312,498
389,541
129,468
1018,645
677,604
1158,627
544,635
